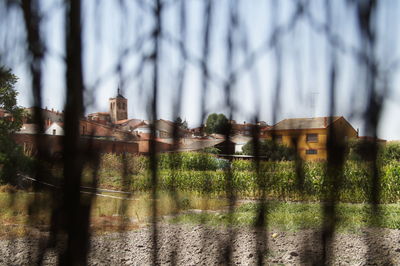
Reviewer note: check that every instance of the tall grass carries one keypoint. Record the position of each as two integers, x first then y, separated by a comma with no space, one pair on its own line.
203,173
288,216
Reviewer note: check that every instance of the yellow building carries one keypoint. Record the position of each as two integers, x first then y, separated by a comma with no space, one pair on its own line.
309,135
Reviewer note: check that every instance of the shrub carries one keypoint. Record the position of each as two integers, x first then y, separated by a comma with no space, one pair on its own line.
271,150
13,162
361,150
390,152
112,165
188,161
212,150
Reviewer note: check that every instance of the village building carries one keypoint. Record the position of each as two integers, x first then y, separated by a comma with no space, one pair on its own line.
90,128
309,135
130,124
100,117
240,141
198,131
28,129
246,129
165,129
55,129
118,108
143,130
49,116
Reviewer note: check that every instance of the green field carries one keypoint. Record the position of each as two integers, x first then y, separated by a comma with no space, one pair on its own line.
290,216
204,174
19,216
194,188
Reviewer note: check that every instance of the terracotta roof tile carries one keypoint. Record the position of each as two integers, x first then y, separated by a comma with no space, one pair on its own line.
304,123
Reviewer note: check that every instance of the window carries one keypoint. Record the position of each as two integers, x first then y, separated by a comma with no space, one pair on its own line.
54,131
312,138
311,151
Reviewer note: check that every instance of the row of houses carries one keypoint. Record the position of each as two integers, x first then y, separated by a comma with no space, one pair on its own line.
307,135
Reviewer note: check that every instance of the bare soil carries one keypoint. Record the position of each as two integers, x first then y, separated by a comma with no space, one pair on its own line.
201,245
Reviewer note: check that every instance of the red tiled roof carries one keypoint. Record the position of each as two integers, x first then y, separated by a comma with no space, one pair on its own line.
119,122
132,122
305,123
99,113
265,128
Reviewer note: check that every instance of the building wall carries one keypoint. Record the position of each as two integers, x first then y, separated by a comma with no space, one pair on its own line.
54,129
163,134
90,128
144,147
239,147
94,129
226,147
49,116
102,118
53,144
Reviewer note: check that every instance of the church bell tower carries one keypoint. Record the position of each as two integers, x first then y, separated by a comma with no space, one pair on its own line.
118,107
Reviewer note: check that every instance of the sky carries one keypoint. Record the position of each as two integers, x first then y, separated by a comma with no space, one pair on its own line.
110,28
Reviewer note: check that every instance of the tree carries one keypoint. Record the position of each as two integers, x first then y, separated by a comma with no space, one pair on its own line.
8,102
270,149
217,123
10,122
180,123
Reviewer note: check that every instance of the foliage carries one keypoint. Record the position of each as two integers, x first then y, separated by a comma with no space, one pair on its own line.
289,216
271,150
204,173
217,123
197,161
180,123
8,102
10,154
212,150
390,152
361,150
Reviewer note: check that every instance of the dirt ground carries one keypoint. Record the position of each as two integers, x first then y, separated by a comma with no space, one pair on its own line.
201,245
